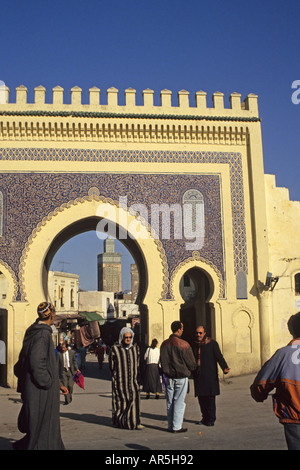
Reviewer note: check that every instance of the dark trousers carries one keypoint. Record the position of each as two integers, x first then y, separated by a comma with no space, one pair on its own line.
68,381
292,435
208,408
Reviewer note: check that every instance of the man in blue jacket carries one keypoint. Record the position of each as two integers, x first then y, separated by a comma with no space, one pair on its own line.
282,372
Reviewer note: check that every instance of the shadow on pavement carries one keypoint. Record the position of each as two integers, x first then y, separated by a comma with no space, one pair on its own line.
89,418
5,444
93,371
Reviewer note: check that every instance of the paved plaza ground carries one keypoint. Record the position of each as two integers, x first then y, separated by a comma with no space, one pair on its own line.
242,424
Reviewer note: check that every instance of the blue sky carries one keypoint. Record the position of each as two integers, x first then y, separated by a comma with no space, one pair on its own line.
227,46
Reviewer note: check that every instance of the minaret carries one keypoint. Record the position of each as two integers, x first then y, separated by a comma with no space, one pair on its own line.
109,268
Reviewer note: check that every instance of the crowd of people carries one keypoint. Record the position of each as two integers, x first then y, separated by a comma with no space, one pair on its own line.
41,375
171,365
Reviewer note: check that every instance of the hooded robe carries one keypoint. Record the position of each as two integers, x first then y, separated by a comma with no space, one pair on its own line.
38,383
124,367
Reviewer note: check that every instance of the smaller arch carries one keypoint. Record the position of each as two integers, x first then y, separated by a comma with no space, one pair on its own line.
204,307
242,321
214,277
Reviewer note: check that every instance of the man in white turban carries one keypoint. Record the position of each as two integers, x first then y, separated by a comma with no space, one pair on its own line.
39,385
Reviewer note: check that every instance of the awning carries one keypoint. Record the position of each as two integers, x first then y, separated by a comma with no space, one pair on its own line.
93,316
67,316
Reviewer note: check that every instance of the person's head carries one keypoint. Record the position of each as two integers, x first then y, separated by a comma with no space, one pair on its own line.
46,312
64,346
294,325
200,332
126,336
177,327
154,343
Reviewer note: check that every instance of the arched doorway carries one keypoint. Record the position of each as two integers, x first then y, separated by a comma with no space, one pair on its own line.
90,224
83,215
196,289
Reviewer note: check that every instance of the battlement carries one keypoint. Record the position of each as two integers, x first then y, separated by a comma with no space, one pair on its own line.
237,110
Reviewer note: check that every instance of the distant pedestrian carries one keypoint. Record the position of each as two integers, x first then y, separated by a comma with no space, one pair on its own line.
124,366
38,383
282,373
177,362
2,352
152,382
82,354
99,351
67,368
3,367
206,381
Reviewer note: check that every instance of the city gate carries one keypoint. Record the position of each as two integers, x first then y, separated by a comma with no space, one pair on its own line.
175,183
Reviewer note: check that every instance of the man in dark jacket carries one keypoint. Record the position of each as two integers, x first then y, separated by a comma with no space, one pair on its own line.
177,363
39,386
67,368
208,356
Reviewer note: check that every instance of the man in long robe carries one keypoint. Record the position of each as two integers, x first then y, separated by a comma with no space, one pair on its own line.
124,366
39,386
206,382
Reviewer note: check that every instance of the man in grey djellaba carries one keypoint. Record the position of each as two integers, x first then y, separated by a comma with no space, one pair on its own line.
38,383
124,360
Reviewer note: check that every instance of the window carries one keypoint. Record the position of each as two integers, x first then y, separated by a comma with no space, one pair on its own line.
62,303
72,298
297,284
241,286
1,214
193,218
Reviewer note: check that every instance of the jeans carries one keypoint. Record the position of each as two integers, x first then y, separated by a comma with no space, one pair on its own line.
175,394
292,435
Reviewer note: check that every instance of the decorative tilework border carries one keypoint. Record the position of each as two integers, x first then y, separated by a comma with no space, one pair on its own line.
32,197
234,160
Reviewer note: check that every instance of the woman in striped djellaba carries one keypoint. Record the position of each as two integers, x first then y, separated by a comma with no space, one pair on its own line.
124,366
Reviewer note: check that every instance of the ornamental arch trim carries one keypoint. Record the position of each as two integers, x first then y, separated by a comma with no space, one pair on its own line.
32,263
195,261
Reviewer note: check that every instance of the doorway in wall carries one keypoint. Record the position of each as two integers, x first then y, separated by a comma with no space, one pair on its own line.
3,347
196,289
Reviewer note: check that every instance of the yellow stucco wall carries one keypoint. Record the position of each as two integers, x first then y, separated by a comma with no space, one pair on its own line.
284,248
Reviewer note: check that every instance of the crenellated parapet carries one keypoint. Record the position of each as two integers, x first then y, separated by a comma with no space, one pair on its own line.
247,108
59,119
